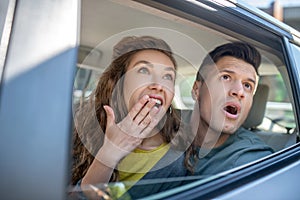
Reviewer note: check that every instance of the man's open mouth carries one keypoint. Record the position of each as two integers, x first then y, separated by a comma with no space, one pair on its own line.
231,109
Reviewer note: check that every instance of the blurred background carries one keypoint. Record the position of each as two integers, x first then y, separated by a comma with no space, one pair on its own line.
287,11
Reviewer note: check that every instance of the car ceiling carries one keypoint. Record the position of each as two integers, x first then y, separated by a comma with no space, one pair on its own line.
103,19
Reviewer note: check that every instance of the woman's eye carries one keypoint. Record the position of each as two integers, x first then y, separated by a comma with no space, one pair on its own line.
143,70
168,77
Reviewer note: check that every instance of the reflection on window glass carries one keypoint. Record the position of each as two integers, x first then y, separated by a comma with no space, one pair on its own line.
274,128
3,13
279,92
185,91
7,8
279,115
296,53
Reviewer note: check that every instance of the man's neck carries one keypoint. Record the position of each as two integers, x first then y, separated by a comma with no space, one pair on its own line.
206,137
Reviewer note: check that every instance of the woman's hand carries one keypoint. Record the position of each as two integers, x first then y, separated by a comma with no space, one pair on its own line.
124,137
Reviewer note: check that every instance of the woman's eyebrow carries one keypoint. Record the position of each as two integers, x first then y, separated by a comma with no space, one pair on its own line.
143,62
167,68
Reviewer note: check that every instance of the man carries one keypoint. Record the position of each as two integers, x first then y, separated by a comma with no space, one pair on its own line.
223,91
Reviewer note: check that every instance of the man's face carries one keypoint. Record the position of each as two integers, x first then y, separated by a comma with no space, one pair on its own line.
227,94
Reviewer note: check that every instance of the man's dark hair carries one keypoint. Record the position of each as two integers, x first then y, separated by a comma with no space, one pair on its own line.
239,50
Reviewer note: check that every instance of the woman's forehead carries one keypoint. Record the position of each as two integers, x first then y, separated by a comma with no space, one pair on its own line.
152,57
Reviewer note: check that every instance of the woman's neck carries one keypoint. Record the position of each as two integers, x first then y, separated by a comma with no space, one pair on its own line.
151,142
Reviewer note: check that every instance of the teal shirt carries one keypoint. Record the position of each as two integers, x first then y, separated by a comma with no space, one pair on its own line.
240,148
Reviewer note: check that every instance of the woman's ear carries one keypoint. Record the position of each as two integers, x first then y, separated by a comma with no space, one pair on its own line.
195,90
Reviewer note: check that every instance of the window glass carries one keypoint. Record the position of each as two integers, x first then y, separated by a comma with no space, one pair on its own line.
296,54
279,116
3,13
277,128
6,16
105,22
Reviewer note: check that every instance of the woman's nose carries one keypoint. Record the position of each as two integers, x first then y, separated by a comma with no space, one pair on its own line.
155,86
156,82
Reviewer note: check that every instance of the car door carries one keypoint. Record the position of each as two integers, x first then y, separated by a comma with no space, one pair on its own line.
39,43
38,56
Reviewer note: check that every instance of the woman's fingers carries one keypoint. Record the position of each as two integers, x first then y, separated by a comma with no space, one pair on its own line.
110,120
145,126
138,107
155,117
141,117
130,124
150,118
116,140
116,146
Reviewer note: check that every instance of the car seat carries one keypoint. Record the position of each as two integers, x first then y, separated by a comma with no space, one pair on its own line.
256,115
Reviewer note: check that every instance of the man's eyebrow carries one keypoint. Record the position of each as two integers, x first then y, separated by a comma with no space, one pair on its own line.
167,68
170,69
233,72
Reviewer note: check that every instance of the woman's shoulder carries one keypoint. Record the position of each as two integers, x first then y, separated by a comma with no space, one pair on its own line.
171,162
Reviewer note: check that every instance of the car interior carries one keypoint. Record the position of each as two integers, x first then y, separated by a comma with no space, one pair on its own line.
105,22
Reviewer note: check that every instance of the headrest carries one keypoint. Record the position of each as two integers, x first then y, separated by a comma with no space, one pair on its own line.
257,112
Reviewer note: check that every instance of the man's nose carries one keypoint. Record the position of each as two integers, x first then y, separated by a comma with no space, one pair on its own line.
237,90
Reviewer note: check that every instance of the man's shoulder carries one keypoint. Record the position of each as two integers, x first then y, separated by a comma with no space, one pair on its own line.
246,141
247,147
247,136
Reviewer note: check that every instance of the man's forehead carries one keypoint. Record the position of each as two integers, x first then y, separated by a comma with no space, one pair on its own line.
232,66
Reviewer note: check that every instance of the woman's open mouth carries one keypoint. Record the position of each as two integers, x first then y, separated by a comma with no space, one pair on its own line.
158,102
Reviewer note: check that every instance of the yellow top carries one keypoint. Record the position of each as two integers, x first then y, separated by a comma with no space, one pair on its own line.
134,166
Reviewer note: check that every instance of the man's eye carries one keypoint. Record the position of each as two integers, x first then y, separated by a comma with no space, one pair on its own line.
225,77
168,77
143,70
248,86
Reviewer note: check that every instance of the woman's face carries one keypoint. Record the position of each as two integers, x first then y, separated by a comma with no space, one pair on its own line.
152,73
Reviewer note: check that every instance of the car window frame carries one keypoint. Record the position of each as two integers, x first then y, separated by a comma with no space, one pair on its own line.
36,99
294,71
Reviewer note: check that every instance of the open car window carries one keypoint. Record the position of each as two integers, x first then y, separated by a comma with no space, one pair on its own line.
199,28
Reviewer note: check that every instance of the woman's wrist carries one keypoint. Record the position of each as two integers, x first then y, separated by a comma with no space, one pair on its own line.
110,157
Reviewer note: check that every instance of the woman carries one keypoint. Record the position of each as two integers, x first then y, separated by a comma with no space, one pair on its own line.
139,125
